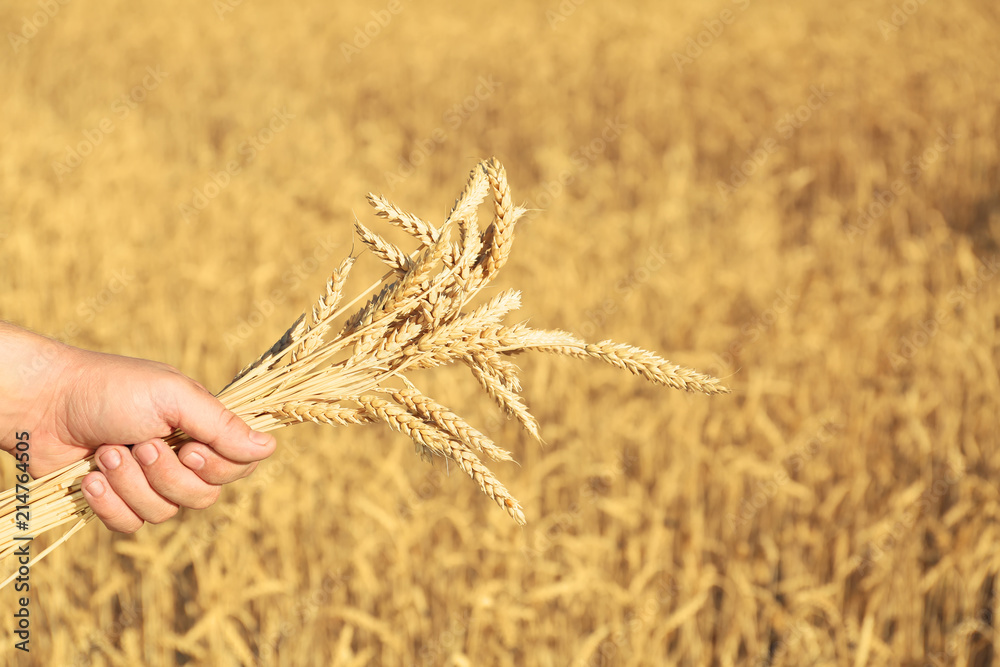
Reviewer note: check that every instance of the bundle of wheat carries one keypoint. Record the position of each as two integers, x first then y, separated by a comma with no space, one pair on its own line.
417,320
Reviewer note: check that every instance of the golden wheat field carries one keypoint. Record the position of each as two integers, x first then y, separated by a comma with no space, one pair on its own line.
801,199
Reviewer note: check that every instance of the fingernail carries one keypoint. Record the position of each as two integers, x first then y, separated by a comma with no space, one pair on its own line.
146,454
111,459
96,488
259,438
194,460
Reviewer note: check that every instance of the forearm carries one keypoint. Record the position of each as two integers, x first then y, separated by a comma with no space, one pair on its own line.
29,367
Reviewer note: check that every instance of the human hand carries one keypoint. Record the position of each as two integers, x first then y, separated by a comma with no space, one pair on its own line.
75,401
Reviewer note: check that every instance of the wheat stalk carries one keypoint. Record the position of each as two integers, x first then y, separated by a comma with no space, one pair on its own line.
417,319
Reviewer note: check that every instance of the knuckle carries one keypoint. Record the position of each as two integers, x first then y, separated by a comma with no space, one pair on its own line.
174,391
228,421
129,527
162,515
222,476
206,499
122,521
169,371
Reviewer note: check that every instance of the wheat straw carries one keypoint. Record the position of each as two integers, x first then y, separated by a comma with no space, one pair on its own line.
417,319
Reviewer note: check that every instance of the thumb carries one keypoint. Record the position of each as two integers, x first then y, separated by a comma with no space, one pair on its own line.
205,419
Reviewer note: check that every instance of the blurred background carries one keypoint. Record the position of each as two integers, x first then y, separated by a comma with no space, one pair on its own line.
801,198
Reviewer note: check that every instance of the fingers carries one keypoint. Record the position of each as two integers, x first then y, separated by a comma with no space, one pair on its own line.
127,479
149,482
204,418
169,479
108,505
211,466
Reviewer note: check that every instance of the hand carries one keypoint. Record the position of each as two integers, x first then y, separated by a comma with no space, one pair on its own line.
74,401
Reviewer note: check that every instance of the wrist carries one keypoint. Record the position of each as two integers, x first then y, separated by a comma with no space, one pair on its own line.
31,368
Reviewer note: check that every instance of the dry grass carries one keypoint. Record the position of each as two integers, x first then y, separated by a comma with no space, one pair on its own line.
838,508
